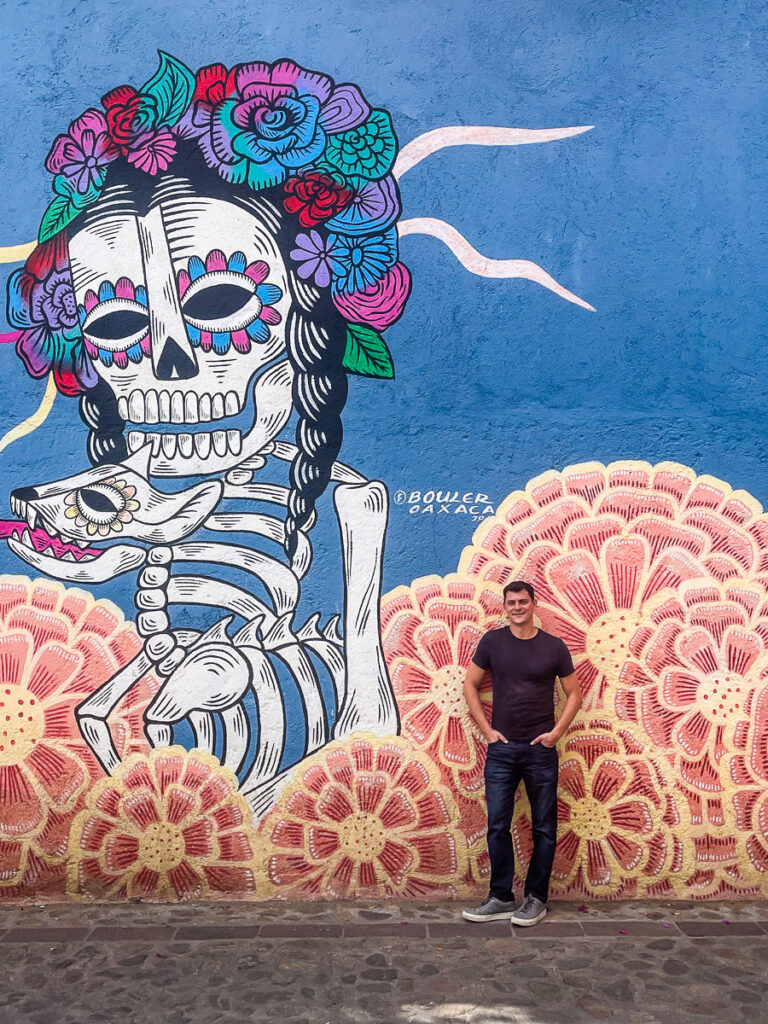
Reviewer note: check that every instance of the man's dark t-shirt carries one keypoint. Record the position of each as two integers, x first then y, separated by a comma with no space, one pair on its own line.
523,675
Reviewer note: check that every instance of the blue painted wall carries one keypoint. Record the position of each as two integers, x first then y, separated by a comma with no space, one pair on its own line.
655,217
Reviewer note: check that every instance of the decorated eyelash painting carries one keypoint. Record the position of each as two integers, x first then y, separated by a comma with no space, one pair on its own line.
115,323
224,302
227,302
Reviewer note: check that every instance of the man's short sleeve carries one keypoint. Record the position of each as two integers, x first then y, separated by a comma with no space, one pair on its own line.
482,657
564,662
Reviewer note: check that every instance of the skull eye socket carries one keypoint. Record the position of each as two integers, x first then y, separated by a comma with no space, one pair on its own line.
217,302
116,325
221,301
100,500
103,507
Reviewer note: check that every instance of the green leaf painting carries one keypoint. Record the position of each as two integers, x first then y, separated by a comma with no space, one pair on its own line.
66,205
171,87
366,353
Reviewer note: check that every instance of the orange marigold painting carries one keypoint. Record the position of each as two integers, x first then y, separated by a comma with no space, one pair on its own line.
166,826
620,824
365,817
57,645
599,542
429,632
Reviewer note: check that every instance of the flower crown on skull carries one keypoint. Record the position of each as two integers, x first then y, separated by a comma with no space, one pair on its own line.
319,147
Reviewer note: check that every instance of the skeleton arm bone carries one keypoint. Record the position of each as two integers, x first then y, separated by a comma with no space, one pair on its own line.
274,493
217,594
280,582
369,703
263,526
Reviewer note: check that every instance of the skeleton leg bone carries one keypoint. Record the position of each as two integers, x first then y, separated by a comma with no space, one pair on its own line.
93,713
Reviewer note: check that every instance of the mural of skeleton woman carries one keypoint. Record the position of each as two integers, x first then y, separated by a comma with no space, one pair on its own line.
221,253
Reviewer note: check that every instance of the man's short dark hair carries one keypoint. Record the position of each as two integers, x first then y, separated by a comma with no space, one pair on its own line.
515,587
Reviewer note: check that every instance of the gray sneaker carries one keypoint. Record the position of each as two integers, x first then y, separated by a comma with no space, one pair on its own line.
491,910
530,912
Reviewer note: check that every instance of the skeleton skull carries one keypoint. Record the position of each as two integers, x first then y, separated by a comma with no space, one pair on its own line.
65,523
182,309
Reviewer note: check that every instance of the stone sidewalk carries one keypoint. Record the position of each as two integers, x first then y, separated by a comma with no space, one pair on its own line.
339,963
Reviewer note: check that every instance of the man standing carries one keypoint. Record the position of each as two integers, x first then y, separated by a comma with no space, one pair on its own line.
524,662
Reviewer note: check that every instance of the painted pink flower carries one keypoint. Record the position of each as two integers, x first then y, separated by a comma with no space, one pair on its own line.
83,154
620,830
429,633
153,151
166,826
701,665
599,543
751,807
365,817
57,646
381,303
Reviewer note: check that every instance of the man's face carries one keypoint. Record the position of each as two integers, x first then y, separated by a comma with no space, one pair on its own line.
519,608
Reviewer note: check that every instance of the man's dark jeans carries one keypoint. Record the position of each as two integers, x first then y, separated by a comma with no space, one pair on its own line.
506,765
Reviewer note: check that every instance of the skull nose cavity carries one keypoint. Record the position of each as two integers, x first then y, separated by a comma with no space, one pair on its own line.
175,363
24,494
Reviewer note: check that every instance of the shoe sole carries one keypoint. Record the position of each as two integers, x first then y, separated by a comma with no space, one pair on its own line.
479,918
527,924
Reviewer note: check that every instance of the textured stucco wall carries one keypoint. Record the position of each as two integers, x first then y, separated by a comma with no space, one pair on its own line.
614,456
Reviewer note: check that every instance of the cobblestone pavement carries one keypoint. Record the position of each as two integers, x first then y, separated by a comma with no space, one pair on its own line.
631,963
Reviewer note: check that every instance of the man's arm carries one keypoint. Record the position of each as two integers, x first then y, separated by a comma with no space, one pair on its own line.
472,683
572,688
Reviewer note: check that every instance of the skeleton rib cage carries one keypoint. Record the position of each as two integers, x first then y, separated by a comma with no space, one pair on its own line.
224,689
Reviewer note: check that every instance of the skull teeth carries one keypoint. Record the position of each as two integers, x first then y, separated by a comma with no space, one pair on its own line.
177,406
203,445
220,442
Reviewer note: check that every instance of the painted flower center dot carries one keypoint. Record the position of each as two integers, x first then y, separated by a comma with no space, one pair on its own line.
22,723
161,847
448,691
590,819
363,836
608,642
721,696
